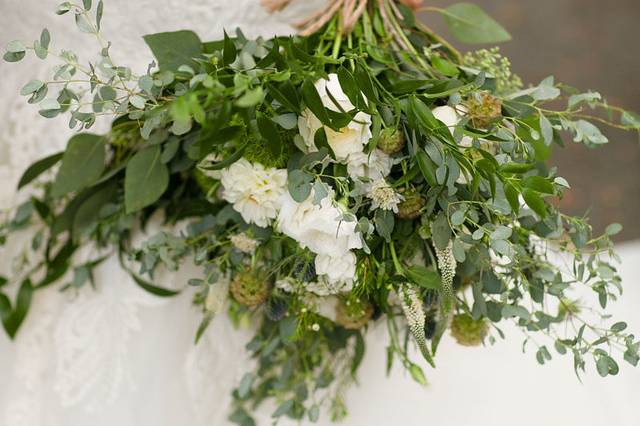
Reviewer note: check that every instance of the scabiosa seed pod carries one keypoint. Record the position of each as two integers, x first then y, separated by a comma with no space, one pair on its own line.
249,288
276,308
410,208
391,141
467,331
484,109
353,313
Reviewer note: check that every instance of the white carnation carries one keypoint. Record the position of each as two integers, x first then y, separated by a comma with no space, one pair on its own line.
341,269
348,140
373,166
318,227
254,191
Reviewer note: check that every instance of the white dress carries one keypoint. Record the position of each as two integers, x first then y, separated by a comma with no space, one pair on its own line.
118,356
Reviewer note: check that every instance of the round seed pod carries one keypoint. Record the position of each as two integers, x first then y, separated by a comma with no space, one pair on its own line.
249,288
467,331
353,314
410,208
391,141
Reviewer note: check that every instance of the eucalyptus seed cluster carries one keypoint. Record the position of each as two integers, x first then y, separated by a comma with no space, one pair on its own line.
496,66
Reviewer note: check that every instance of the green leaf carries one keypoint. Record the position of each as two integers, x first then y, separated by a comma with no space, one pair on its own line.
152,288
539,184
441,231
82,164
613,229
172,49
535,202
270,134
299,184
470,24
384,222
314,102
230,52
89,212
424,277
286,95
31,87
39,167
146,179
13,319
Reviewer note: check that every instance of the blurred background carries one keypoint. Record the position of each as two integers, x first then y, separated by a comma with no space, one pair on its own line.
587,44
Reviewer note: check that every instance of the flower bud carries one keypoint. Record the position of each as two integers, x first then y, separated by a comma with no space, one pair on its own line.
467,331
249,288
391,141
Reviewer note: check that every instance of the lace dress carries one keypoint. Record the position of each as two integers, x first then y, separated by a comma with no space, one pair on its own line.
118,356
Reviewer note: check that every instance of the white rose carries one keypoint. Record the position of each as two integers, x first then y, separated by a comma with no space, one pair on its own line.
451,117
254,191
350,139
318,227
373,166
337,270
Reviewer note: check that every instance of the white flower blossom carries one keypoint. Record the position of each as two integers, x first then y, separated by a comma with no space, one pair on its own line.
254,191
286,284
383,196
373,166
341,269
350,139
244,243
320,228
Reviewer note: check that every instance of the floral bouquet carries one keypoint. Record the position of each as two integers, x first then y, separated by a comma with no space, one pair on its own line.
362,172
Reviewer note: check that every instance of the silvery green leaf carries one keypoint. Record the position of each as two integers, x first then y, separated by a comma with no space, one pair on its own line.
13,56
30,87
186,69
562,182
86,4
83,23
589,98
99,12
63,8
145,83
40,51
546,129
39,94
45,38
588,133
458,251
501,233
286,121
319,192
49,108
108,93
15,46
137,101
